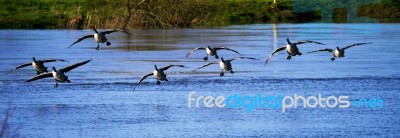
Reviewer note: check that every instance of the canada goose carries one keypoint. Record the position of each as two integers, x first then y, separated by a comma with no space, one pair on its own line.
225,65
100,37
59,75
38,65
291,48
338,52
212,51
158,74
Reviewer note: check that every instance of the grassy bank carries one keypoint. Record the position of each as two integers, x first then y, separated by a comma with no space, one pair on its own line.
131,14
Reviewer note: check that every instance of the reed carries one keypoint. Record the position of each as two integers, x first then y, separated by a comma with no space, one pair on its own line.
131,14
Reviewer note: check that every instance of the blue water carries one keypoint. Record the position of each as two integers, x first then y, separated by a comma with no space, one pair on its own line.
100,101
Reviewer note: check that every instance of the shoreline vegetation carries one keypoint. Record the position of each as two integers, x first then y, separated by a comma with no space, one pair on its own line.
145,14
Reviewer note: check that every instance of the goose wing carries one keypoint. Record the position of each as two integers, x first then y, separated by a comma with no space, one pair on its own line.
199,48
109,32
52,60
125,32
69,68
144,77
22,65
41,76
116,30
275,51
167,67
232,59
325,49
219,48
205,65
80,39
19,66
308,41
356,44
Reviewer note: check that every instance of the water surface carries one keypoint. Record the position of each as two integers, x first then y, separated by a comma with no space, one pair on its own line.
100,101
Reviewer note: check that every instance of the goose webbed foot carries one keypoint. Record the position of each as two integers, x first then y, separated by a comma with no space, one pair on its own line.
158,82
98,48
221,74
333,59
232,71
299,54
165,78
56,85
216,57
108,43
205,58
289,57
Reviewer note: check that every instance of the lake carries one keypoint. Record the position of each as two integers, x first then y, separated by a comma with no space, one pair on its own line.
100,101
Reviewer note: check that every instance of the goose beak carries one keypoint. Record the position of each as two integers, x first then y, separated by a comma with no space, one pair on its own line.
155,67
34,59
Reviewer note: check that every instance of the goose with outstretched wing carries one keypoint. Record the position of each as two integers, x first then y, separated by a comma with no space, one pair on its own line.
59,75
291,49
159,74
38,65
100,37
338,52
225,65
211,51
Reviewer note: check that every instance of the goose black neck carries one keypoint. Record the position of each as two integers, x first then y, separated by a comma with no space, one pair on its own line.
94,29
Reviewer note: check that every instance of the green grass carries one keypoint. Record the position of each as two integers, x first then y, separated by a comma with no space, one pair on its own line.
54,14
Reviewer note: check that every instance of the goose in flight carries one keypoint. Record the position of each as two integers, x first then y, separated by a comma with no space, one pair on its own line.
212,51
291,48
338,52
59,75
38,65
159,74
225,65
100,37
